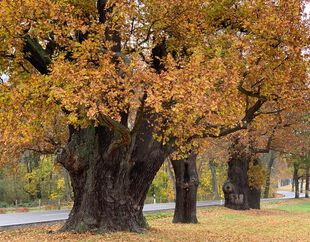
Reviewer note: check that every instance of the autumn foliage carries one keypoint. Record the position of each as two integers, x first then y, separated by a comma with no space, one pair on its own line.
188,69
221,57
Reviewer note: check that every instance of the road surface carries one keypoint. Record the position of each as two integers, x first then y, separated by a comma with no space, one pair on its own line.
19,219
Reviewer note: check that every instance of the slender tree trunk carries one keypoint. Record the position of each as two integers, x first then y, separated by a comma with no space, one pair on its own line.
15,188
214,179
307,181
50,183
296,182
172,178
268,174
36,161
301,184
110,178
29,170
236,187
186,189
293,184
67,185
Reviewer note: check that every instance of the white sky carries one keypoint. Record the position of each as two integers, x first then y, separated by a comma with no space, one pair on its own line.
307,10
4,78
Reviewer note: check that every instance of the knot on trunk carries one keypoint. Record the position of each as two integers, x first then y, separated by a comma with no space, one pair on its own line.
61,155
69,161
194,182
228,187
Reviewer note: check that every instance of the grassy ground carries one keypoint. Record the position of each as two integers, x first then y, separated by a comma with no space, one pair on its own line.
34,209
277,221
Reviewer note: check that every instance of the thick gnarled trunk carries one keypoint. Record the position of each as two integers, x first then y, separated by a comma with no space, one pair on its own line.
186,189
109,181
101,205
239,195
236,188
239,192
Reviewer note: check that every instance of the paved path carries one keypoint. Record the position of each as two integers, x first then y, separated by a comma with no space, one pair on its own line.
17,219
288,195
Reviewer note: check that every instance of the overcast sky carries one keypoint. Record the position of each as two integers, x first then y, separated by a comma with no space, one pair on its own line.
307,10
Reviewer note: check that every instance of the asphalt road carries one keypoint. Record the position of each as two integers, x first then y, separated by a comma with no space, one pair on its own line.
19,219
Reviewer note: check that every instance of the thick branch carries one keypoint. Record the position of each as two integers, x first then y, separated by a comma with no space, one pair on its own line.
102,11
139,115
270,112
247,92
36,55
269,142
243,124
4,54
122,132
267,148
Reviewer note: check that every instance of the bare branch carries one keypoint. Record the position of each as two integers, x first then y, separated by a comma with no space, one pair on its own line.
243,124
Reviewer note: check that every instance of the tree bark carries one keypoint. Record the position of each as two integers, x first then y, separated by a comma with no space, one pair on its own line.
254,192
172,178
110,179
67,185
268,174
254,198
296,182
186,189
236,187
214,180
307,181
301,184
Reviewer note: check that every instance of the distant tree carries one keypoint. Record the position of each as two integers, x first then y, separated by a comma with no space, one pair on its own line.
270,164
246,174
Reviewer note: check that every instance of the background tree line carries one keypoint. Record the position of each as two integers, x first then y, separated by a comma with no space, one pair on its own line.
37,177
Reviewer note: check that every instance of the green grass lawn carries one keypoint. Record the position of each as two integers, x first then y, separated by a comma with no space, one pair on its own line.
304,207
287,220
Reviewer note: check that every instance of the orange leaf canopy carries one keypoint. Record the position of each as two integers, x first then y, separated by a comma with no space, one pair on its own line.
221,58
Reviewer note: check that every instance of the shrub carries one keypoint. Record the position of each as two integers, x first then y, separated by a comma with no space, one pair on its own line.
21,210
50,207
29,204
4,205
